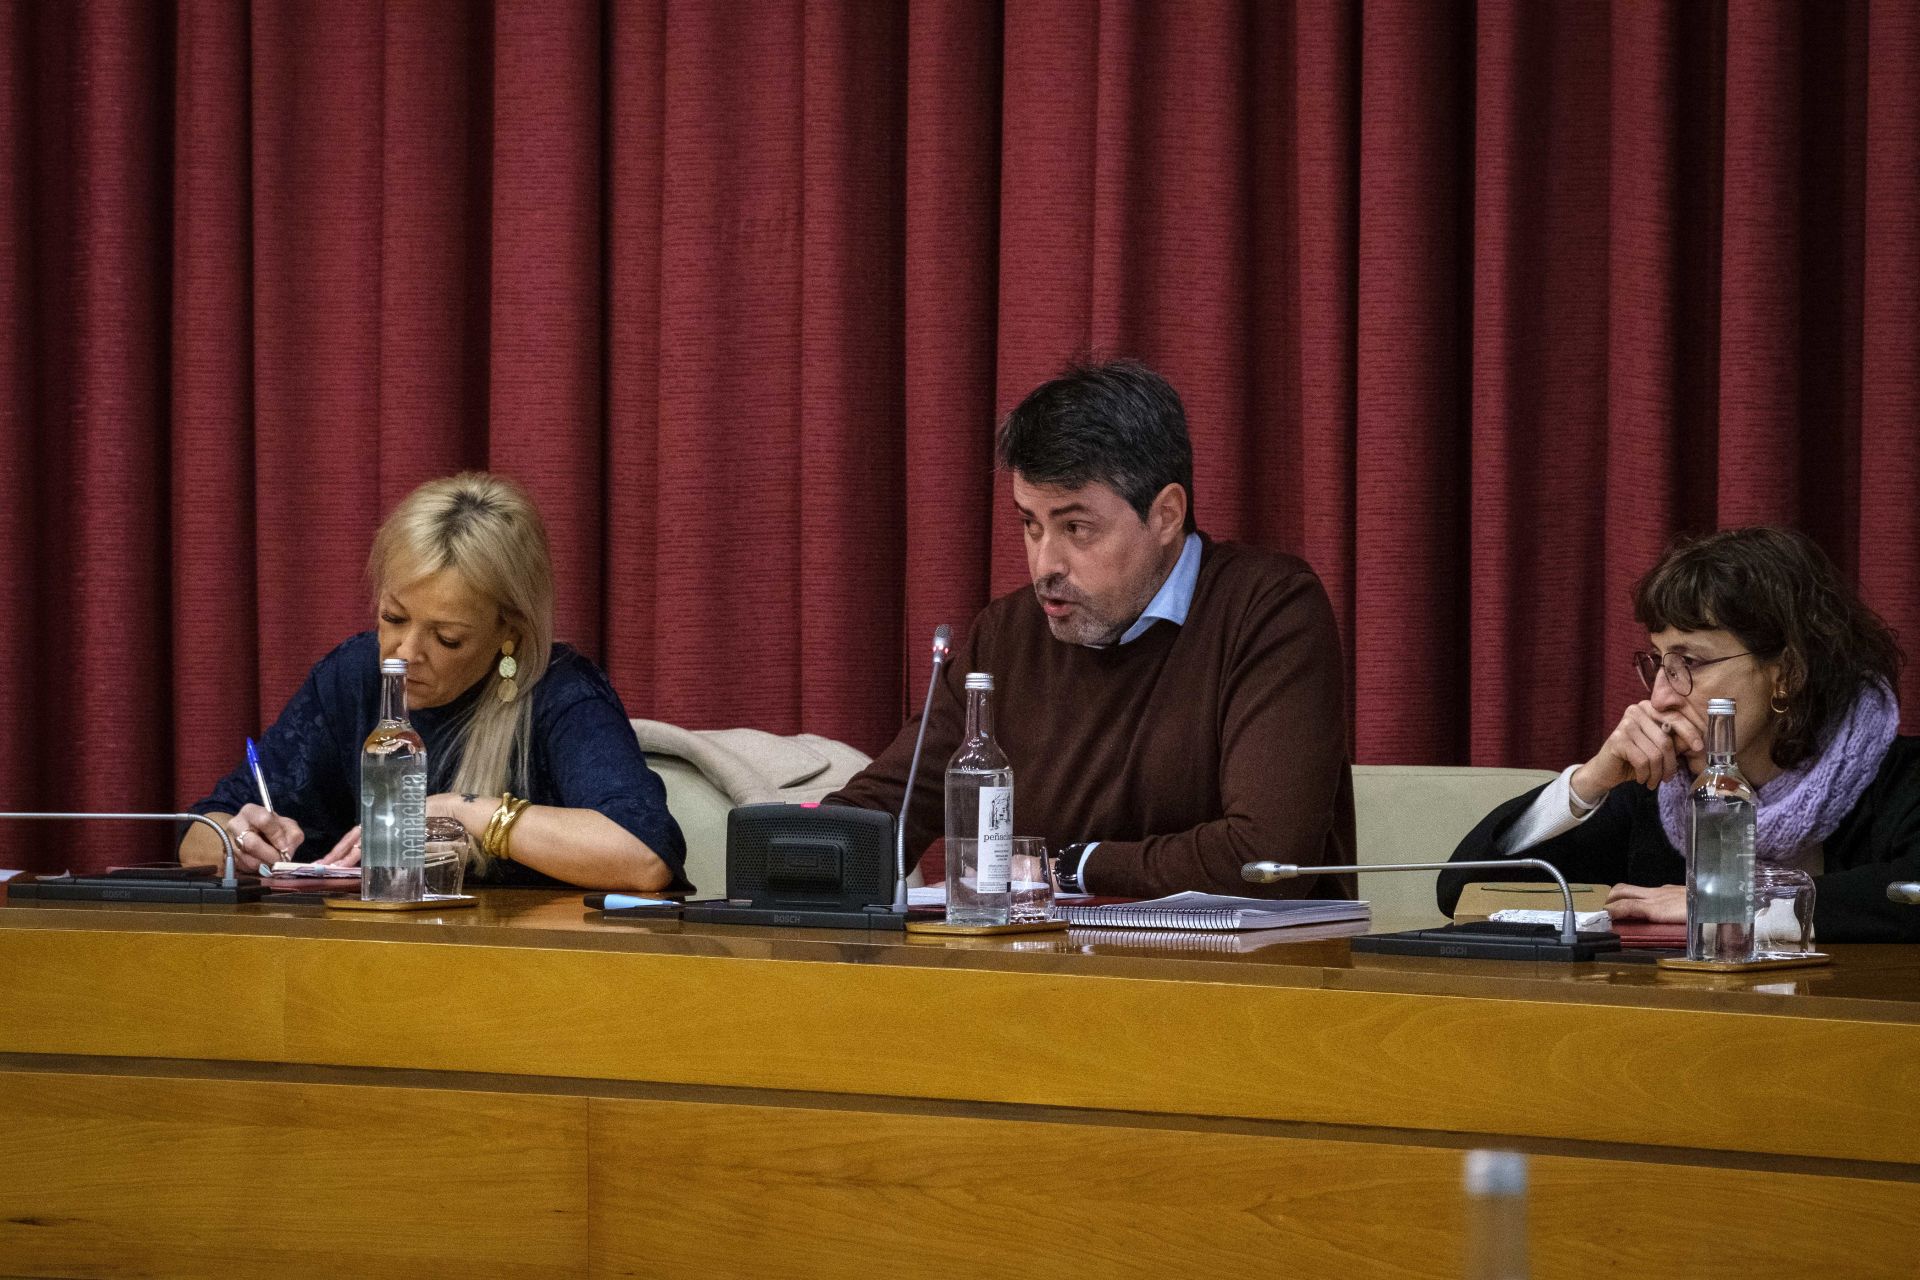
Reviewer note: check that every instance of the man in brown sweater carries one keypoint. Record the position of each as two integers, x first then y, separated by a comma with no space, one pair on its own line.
1171,705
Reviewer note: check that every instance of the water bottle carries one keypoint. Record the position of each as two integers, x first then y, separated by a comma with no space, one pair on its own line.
1720,862
393,798
979,818
1496,1183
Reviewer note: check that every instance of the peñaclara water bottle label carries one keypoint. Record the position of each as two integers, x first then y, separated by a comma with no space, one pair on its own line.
996,839
413,819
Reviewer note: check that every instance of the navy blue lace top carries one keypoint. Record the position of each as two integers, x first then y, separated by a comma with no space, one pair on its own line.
584,755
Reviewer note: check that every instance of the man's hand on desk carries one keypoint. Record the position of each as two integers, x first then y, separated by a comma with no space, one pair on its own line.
1660,904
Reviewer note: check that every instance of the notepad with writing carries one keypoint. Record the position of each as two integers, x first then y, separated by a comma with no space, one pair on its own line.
313,871
1193,910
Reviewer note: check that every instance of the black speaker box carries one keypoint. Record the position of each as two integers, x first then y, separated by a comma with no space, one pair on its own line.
821,866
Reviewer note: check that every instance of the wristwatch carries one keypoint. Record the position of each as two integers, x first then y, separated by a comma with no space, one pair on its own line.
1066,868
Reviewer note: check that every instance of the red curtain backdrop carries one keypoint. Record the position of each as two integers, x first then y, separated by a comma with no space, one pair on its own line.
1474,305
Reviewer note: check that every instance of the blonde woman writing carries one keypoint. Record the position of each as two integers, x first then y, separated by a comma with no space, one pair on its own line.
527,742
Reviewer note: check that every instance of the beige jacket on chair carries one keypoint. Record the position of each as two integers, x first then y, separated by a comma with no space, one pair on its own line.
709,771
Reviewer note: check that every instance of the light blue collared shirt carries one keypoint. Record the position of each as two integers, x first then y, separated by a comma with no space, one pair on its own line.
1175,595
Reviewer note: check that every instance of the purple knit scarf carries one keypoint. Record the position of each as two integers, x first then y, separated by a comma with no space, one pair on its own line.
1799,809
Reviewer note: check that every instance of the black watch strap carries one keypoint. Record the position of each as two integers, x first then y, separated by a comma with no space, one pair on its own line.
1066,868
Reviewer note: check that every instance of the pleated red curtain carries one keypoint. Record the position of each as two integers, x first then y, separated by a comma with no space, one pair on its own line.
1473,305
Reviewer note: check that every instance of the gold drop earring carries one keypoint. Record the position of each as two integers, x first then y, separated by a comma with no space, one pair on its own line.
508,670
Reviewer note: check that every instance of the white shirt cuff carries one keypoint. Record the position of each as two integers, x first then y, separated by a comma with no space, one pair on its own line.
1551,814
1080,872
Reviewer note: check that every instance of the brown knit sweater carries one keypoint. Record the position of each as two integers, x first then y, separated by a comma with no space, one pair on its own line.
1193,749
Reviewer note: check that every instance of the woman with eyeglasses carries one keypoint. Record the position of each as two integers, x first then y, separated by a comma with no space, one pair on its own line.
1761,616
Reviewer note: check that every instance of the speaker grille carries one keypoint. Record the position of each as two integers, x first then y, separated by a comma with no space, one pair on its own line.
863,839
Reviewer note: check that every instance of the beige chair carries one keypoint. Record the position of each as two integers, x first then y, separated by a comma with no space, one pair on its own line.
709,771
1418,813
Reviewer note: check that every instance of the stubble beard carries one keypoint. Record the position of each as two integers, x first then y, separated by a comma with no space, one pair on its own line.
1083,627
1088,624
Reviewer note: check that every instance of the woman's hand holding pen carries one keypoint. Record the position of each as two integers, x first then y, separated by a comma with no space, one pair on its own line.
262,837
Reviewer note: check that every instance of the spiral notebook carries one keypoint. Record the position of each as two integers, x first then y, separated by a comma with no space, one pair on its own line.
1192,910
1110,941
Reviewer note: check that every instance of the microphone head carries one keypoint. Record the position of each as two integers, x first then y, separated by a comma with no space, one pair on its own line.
942,642
1267,872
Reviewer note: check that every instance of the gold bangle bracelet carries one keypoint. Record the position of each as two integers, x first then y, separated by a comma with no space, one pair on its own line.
492,832
491,840
520,806
499,827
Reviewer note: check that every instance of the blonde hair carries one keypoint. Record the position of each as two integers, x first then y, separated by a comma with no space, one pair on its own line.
485,528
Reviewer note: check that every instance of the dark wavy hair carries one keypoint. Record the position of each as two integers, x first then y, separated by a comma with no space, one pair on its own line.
1777,591
1118,423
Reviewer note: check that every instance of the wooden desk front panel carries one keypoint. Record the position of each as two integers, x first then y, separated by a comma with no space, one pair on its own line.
750,1192
1689,1078
535,1096
144,1174
151,1175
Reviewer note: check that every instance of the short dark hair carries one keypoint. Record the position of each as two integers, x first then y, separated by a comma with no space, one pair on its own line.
1118,423
1780,595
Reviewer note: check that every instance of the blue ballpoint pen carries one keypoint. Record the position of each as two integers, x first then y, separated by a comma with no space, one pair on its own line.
259,778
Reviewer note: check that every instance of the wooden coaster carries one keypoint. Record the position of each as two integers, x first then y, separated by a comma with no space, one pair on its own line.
982,930
1805,961
439,902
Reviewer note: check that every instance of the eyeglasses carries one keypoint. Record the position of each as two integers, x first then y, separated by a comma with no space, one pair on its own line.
1678,666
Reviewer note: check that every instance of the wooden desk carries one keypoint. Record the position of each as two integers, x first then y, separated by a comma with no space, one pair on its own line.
522,1090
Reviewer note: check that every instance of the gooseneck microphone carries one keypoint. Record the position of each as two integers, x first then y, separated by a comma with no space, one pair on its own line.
1268,872
227,879
1904,891
158,882
942,647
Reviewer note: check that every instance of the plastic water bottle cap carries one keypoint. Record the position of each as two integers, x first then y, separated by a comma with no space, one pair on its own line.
393,666
979,680
1720,706
1496,1173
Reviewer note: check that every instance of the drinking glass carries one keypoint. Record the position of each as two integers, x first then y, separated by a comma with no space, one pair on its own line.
1031,877
446,857
1782,912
